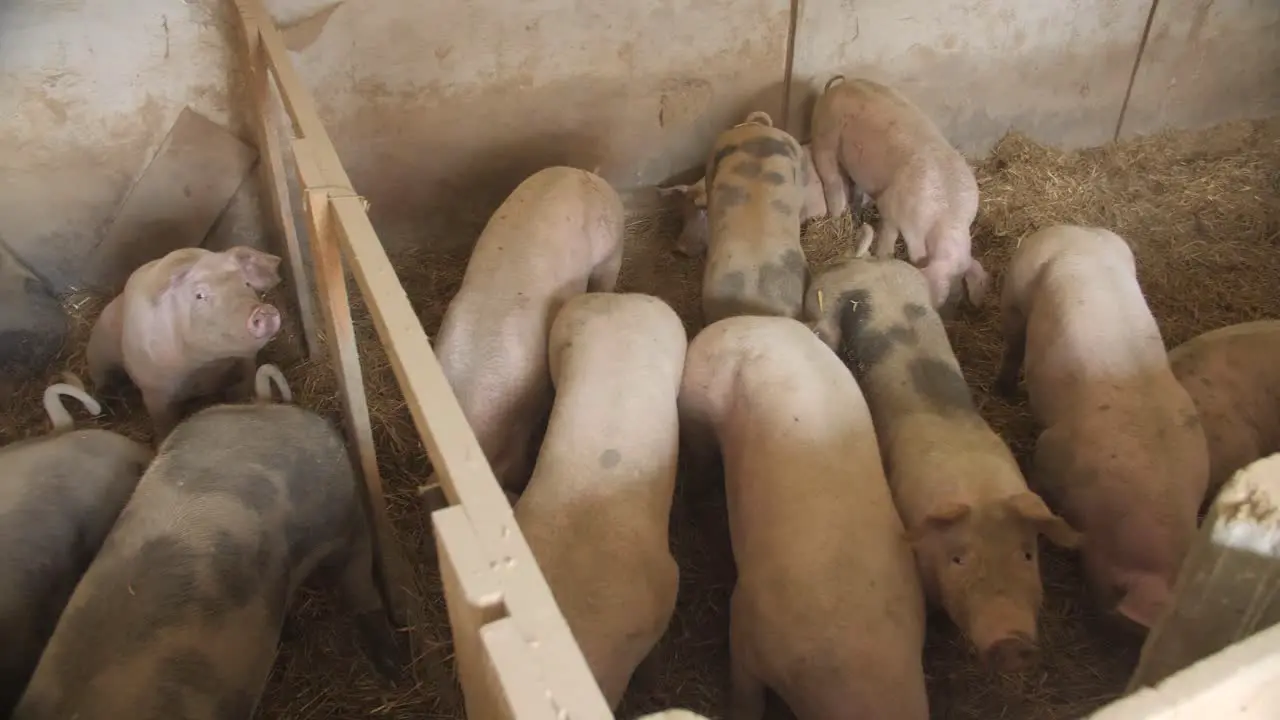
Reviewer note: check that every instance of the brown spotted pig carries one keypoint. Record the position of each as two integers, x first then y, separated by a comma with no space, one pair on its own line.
1121,454
597,507
827,610
179,615
184,324
59,496
692,201
1233,377
923,188
972,520
754,263
557,235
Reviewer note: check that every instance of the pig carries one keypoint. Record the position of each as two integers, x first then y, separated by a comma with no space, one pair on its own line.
557,235
754,265
180,613
596,511
692,202
1233,377
184,324
1121,451
923,188
971,518
59,496
827,609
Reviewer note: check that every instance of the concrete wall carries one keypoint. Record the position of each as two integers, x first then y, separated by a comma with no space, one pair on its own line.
439,108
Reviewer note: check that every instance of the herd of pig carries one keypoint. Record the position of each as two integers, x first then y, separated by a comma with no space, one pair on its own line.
862,484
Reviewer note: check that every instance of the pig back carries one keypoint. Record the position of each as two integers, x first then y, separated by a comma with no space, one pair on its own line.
59,496
1233,377
185,600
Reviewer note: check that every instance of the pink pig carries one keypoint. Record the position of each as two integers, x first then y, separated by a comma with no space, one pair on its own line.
183,324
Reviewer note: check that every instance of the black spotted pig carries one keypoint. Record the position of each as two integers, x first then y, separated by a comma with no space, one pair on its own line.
184,324
827,610
1122,453
1233,376
557,235
693,205
607,469
972,519
923,188
754,264
59,496
179,615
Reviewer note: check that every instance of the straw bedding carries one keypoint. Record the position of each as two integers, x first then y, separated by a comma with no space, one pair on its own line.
1202,211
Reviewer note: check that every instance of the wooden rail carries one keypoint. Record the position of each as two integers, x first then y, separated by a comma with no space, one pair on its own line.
515,655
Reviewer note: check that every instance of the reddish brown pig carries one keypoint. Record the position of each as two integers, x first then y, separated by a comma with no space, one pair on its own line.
1122,453
59,496
557,235
692,200
607,470
179,614
754,264
1233,377
827,610
972,520
924,189
184,324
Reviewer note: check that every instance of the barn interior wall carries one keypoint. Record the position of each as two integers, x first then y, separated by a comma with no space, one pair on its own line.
439,109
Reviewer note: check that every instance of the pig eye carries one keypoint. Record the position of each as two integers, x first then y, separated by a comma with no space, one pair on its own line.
200,295
957,560
1026,555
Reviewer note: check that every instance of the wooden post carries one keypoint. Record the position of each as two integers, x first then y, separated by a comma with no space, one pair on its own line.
345,359
274,185
1229,585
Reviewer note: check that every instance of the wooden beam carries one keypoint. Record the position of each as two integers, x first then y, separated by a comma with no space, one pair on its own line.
272,173
1229,584
344,356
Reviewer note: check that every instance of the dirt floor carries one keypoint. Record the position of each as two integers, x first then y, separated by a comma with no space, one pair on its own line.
1202,211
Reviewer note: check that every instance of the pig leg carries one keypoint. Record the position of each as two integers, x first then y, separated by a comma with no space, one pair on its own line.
1014,329
162,405
976,281
104,352
824,150
746,691
604,277
352,571
886,242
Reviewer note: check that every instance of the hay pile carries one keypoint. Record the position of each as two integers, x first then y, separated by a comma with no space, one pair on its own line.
1202,211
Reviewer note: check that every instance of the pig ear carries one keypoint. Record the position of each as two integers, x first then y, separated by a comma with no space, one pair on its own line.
1032,509
260,269
939,519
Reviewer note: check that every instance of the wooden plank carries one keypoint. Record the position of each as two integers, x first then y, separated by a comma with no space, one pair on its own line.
189,181
1241,682
459,462
275,186
1229,584
344,356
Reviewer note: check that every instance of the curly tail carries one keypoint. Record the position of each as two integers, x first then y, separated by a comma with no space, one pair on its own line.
262,381
759,117
834,80
70,387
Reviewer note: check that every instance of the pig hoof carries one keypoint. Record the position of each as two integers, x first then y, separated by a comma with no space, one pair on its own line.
1011,654
385,648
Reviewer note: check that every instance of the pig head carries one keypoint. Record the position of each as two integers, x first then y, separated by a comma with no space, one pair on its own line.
981,563
183,323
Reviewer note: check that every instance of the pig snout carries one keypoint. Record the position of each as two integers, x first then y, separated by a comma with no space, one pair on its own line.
1012,653
264,321
1004,633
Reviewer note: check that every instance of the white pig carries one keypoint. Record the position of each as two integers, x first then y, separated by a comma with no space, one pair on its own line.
923,188
597,507
184,324
959,490
557,235
1122,453
59,496
755,264
827,610
1233,377
179,615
